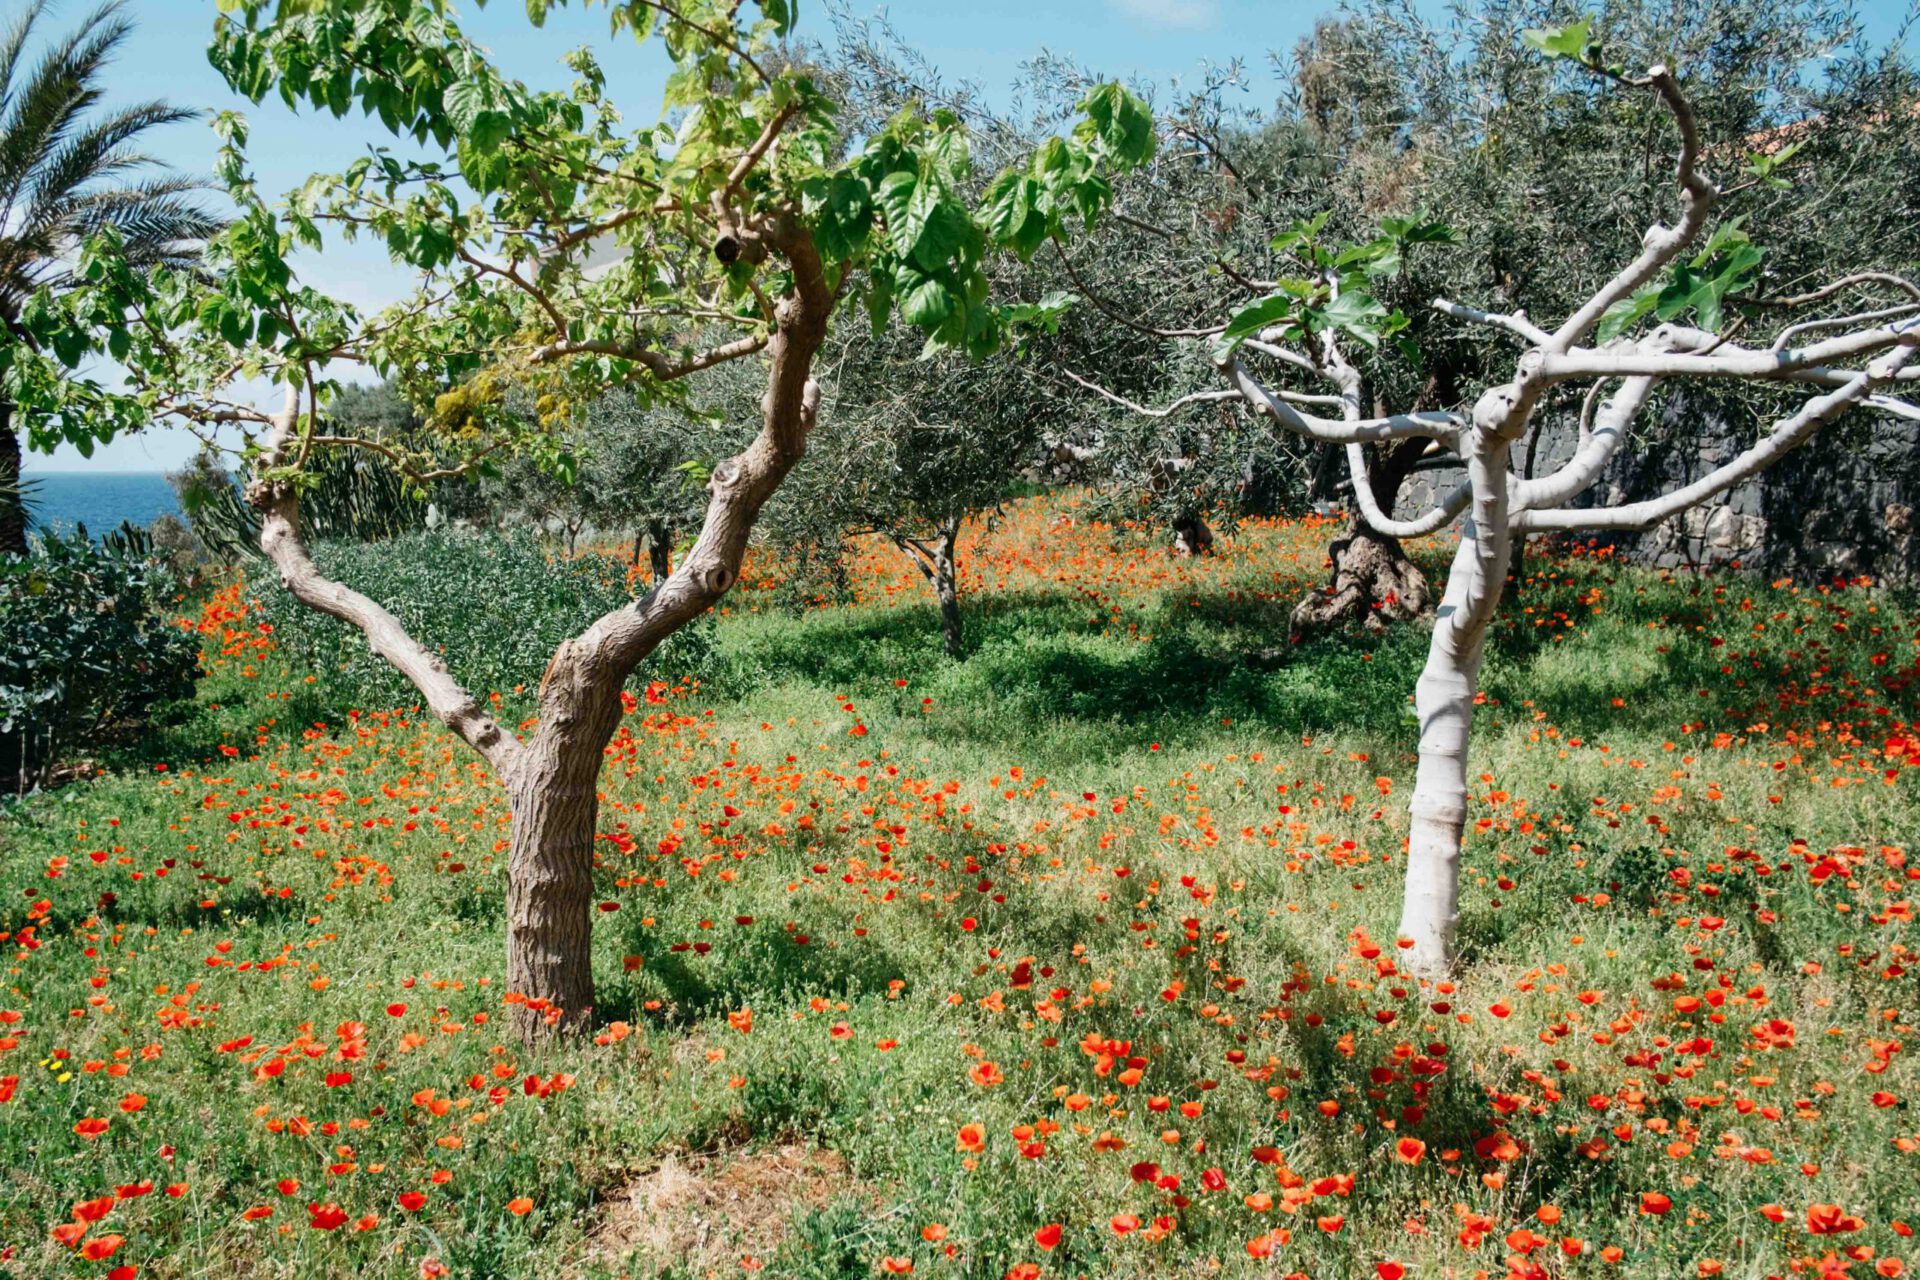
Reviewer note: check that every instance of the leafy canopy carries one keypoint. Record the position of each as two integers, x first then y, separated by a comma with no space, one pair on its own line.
558,250
1336,296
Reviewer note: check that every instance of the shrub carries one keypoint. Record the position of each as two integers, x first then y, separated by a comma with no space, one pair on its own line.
493,603
88,653
352,495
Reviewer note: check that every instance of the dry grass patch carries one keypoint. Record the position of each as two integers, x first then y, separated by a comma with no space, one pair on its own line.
706,1213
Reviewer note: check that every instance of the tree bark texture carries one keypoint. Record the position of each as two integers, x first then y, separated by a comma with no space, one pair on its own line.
938,561
946,587
1371,581
659,550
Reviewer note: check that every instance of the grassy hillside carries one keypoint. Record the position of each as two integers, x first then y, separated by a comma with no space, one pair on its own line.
1071,959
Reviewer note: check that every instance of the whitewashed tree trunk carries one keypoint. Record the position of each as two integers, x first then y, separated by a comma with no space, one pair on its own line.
1858,368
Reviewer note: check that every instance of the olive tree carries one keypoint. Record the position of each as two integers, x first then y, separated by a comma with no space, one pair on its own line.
745,219
929,444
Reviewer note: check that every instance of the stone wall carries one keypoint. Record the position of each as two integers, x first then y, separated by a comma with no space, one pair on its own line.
1843,507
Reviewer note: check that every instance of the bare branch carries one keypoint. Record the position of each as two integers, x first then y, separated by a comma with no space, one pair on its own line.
1442,426
1198,397
1382,522
1516,323
1841,322
1597,446
1789,433
1661,243
1742,363
1826,291
279,506
662,368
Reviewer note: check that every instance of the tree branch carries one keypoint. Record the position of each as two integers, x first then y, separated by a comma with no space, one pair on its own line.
279,506
1441,426
1661,244
1515,323
1788,434
1198,397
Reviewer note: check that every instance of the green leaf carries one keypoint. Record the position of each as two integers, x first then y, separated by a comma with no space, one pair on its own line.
781,13
1354,311
1013,215
1121,122
1300,233
926,304
1626,313
879,300
1252,318
463,101
845,217
1560,42
905,218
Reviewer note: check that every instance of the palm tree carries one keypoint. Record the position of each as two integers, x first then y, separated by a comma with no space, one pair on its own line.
69,169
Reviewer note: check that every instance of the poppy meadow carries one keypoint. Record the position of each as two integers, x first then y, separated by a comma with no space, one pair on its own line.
1076,958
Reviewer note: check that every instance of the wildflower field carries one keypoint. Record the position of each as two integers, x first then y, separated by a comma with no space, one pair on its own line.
1075,958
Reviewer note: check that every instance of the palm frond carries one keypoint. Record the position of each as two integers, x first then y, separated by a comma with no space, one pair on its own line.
11,47
63,87
68,170
98,152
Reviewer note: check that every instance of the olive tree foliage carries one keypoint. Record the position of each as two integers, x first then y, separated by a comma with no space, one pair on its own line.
1686,300
747,218
645,470
931,442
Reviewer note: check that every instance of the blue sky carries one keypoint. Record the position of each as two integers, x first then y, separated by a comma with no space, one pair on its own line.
983,41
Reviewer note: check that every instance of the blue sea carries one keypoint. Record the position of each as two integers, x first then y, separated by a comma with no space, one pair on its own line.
98,499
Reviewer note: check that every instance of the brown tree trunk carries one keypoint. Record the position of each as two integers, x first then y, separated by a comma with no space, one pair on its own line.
551,779
946,588
1372,581
659,550
938,563
553,792
13,512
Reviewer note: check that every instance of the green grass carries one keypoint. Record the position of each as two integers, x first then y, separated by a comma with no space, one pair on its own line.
1683,791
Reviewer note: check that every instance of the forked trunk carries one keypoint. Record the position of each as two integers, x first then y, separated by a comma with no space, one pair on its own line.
13,512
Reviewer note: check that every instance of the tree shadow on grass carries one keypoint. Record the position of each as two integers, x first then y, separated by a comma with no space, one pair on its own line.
1035,660
693,987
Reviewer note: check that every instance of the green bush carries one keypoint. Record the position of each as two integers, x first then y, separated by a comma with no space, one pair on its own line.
88,653
494,604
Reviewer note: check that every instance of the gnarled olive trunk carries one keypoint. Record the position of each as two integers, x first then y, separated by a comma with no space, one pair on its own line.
13,512
1372,581
939,563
